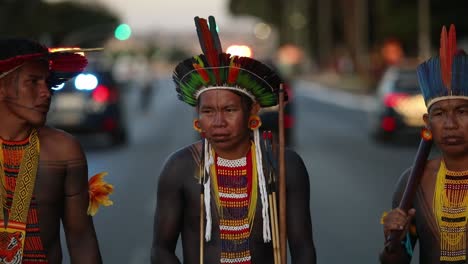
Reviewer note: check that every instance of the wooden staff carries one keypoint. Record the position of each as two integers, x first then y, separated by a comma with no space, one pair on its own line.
267,136
282,179
274,228
202,229
414,179
202,200
275,234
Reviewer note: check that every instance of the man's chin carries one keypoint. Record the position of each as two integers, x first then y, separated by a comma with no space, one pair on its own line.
37,123
219,143
455,151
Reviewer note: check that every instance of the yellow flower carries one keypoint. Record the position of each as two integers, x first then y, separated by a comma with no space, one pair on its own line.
382,218
99,191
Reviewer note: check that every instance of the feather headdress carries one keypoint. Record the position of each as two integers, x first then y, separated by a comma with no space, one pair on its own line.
444,76
215,69
64,63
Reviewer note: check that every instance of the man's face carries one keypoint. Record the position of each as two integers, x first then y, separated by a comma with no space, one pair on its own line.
448,121
223,118
25,93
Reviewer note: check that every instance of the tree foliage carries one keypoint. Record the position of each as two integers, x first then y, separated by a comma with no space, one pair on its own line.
57,23
269,11
396,19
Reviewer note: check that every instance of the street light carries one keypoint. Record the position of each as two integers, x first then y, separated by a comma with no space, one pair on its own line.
122,32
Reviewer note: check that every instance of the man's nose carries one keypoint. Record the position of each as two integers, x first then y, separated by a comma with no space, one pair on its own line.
451,121
45,91
219,119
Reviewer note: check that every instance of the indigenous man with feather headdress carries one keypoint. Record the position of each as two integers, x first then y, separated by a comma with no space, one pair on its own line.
439,211
43,171
217,193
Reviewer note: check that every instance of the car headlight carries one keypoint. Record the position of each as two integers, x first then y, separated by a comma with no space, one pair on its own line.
86,81
58,87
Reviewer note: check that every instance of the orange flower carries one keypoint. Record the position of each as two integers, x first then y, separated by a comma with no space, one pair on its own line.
99,191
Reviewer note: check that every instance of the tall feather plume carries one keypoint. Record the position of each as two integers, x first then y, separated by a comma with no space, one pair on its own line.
448,48
215,68
209,43
214,34
233,71
443,55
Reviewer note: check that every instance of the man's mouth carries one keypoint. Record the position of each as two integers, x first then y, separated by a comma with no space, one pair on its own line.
452,140
43,108
219,137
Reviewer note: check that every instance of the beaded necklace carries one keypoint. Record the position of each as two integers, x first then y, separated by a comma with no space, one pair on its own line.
13,225
450,209
235,190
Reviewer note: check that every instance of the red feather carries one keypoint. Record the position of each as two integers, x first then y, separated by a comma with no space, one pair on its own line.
233,73
10,63
443,55
452,46
448,48
202,72
210,50
68,62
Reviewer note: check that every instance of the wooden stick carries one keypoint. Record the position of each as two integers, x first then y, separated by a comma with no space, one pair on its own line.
414,179
202,200
276,232
282,179
202,229
274,229
268,149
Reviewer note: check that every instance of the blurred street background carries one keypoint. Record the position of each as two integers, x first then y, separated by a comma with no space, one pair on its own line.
354,115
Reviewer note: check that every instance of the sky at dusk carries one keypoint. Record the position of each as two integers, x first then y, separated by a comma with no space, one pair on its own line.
174,15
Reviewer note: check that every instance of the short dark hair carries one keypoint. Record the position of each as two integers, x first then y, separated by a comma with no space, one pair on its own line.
13,47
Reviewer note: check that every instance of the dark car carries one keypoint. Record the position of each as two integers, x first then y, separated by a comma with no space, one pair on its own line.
89,103
399,104
270,119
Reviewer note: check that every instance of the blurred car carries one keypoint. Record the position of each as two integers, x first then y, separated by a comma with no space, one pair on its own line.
399,104
89,103
270,119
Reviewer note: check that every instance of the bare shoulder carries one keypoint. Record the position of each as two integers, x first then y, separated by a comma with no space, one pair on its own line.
297,175
432,166
59,145
180,166
188,153
430,172
293,159
291,154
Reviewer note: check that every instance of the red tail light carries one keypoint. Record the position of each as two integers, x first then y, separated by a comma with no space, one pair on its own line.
393,99
101,94
109,124
288,121
104,94
388,124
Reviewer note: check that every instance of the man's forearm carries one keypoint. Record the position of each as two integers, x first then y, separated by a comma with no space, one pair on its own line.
87,252
304,254
163,256
399,256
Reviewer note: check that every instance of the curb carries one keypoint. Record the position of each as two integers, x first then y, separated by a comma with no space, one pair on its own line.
340,98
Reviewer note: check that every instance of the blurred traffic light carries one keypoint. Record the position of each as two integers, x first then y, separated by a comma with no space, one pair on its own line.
122,32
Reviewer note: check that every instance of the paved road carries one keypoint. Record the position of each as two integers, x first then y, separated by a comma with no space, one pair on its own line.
351,177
